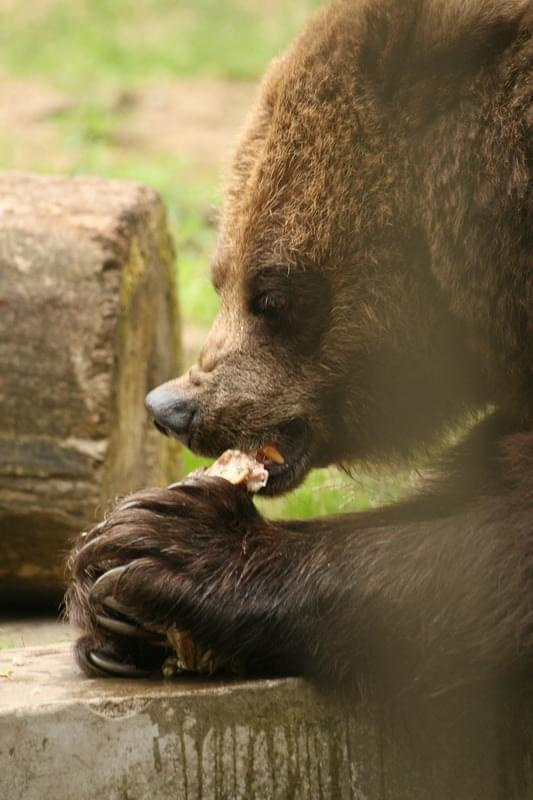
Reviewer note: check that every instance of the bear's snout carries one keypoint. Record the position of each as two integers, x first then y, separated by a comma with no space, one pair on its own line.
172,412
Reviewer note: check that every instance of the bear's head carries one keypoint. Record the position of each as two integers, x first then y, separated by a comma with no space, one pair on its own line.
334,341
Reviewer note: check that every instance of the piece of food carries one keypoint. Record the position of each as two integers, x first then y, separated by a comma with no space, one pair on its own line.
243,469
239,468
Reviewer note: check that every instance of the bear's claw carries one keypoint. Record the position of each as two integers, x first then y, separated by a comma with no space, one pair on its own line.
123,628
109,666
102,600
102,592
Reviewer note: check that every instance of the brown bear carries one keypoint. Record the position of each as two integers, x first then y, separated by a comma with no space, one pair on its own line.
374,268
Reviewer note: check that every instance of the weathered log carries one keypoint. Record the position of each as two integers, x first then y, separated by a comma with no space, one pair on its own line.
87,326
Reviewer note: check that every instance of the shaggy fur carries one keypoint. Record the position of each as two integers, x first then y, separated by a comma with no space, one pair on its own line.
375,280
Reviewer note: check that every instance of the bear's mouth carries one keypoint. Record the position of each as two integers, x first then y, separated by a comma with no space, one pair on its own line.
285,457
284,452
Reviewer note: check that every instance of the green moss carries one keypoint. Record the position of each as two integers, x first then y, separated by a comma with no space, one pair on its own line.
132,275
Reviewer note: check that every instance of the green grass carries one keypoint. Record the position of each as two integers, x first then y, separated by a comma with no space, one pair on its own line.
95,49
80,42
330,491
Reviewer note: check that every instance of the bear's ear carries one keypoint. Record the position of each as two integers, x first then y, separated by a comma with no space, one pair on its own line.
410,46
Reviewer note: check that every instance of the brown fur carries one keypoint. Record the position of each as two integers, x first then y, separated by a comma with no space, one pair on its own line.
383,189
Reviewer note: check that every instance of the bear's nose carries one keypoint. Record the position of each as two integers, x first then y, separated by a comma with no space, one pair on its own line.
172,412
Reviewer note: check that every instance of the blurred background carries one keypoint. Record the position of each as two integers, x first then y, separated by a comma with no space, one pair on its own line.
155,91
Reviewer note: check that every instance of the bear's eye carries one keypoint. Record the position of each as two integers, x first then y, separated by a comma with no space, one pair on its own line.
274,303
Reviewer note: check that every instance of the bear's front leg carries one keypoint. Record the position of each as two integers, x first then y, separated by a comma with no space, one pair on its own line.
196,557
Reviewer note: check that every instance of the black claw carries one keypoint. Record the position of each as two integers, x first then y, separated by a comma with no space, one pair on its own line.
125,624
102,590
194,479
109,666
112,604
116,625
198,480
130,504
123,628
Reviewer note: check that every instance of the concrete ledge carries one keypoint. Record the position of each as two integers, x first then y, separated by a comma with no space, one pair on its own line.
63,737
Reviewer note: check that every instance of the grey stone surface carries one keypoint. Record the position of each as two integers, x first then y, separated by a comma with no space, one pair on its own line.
63,737
30,631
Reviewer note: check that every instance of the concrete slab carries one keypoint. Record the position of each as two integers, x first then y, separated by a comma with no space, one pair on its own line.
31,631
64,737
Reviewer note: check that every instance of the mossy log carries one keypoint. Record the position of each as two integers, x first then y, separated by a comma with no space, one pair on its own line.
88,324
